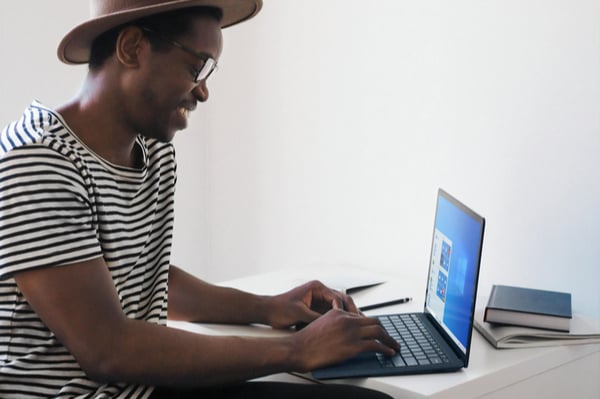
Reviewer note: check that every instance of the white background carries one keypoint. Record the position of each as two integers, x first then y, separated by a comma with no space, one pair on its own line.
332,123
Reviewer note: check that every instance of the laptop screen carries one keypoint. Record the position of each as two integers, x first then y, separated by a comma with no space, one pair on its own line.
454,268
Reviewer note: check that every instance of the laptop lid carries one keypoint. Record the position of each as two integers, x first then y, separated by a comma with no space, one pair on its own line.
453,271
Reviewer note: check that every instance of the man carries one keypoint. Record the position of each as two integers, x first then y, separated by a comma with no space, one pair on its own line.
86,215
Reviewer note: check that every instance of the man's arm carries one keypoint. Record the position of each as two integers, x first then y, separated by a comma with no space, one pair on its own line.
191,299
80,305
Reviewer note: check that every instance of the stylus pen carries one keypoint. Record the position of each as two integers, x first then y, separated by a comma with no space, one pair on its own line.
384,304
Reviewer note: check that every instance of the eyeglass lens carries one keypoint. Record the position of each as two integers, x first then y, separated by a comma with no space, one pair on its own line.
207,69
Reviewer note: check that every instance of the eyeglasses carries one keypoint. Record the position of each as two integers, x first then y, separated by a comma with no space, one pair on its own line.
209,66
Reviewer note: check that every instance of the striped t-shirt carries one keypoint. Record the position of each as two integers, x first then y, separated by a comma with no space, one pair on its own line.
60,203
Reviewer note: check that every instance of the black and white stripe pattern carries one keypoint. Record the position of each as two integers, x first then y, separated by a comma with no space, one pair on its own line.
60,204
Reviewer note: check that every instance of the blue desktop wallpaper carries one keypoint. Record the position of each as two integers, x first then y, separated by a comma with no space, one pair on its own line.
465,234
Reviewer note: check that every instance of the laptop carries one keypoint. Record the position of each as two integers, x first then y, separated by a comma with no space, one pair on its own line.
439,338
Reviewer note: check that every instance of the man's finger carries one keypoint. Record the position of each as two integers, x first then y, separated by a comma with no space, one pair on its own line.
337,303
349,304
377,332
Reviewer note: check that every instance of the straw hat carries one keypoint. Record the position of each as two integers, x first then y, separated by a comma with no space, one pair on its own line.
74,48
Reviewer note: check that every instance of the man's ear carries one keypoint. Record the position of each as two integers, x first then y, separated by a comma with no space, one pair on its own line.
129,43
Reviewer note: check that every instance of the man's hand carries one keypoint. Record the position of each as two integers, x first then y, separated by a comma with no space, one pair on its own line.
335,330
337,336
306,303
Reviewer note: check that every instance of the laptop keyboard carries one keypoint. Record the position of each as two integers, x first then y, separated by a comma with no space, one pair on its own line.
417,346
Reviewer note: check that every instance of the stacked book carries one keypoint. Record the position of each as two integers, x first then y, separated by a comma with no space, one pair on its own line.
526,317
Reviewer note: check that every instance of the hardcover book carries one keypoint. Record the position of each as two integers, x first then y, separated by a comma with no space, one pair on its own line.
529,307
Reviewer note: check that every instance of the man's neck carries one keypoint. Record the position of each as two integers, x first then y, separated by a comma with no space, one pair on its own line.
95,119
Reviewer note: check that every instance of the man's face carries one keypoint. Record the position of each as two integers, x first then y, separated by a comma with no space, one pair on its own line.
165,91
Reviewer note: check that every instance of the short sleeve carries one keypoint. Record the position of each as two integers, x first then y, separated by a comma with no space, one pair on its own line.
47,217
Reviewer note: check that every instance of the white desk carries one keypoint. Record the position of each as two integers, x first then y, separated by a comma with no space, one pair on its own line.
554,372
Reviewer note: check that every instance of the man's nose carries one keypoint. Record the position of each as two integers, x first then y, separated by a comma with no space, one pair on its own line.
200,91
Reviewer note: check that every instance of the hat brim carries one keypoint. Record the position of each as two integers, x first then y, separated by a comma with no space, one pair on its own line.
74,48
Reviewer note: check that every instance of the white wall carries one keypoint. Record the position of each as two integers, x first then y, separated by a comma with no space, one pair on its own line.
331,124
